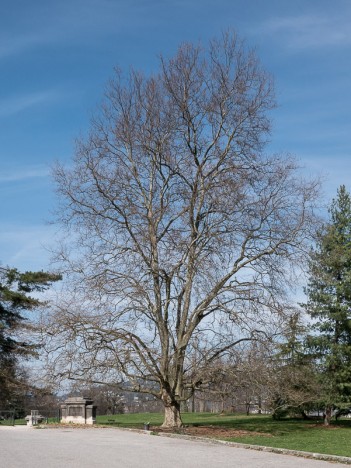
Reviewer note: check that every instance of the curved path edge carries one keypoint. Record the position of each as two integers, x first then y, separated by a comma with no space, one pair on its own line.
262,448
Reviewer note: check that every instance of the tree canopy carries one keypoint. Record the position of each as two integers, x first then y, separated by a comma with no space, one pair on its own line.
183,231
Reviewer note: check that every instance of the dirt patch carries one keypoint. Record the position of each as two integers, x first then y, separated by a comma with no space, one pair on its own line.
211,432
216,432
68,426
331,427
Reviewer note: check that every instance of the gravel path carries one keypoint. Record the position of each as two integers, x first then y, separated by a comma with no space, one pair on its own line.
22,447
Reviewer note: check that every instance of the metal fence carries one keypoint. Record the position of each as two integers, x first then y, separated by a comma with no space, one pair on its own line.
10,417
51,416
7,417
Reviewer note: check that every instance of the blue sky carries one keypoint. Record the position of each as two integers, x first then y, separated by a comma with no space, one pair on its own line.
57,56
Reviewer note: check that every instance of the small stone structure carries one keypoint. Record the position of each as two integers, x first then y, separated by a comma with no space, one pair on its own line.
34,418
78,410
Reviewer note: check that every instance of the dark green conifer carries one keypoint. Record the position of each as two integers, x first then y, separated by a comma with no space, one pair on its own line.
329,305
15,301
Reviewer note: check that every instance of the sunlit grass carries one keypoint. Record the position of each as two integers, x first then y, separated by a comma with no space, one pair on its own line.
296,434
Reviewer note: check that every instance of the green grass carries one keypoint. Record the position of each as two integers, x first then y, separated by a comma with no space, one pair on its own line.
6,422
20,422
309,436
136,420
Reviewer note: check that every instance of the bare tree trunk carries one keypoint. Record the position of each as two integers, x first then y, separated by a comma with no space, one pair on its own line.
193,403
172,416
248,406
223,406
327,415
201,406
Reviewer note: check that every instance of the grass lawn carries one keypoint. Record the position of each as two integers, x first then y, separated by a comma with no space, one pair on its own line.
309,436
136,420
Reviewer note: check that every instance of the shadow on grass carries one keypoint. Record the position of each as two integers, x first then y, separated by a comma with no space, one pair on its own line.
253,423
262,423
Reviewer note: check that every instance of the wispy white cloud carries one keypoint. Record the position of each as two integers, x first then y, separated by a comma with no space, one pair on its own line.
311,31
10,45
23,173
14,105
69,22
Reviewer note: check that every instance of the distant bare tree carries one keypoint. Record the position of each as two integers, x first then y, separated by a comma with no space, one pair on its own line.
181,229
240,380
293,384
107,398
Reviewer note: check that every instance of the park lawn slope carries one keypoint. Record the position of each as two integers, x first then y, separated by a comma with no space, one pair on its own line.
294,434
305,436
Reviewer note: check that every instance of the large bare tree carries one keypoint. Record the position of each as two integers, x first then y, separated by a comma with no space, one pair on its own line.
182,231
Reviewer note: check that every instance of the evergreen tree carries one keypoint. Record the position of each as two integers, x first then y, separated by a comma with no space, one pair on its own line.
329,305
15,300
